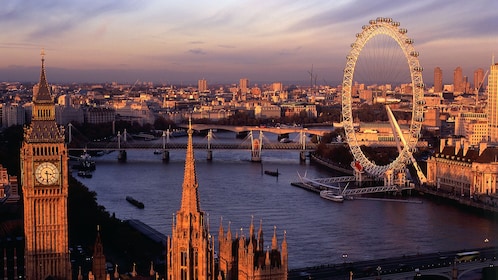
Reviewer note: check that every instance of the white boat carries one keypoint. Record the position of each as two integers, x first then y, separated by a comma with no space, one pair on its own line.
331,195
285,140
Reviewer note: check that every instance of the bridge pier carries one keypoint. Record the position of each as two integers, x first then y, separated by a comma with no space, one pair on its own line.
302,156
122,156
256,145
165,155
209,151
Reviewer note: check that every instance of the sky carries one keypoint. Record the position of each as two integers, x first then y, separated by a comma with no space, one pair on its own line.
175,42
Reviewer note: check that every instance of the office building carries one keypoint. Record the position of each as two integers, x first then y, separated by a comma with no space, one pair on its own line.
202,85
478,80
438,80
244,85
492,107
458,82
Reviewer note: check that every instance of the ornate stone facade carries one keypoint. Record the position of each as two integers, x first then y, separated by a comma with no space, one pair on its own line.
460,169
245,257
190,249
44,171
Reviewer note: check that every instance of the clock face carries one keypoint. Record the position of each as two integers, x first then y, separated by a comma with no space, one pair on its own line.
47,173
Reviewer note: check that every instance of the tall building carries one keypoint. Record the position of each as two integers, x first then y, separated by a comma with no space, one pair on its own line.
277,86
492,108
458,83
202,85
190,249
438,80
13,114
44,171
478,80
244,85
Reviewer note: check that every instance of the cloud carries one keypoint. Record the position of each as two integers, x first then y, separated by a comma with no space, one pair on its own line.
289,51
197,51
42,19
226,46
18,46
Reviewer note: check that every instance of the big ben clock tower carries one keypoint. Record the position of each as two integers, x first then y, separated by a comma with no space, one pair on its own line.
44,171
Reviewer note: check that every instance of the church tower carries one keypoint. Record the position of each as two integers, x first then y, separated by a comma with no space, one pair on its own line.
44,178
190,249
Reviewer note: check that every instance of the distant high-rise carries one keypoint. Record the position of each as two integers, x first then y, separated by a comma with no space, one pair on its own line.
458,84
277,86
244,85
438,80
479,80
202,85
493,103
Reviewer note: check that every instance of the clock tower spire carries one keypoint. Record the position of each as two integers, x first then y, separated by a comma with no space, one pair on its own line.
44,177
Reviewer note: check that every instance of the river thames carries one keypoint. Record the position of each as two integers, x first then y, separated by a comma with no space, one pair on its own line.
319,232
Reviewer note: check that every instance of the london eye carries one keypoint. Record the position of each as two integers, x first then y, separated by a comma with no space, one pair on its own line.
384,58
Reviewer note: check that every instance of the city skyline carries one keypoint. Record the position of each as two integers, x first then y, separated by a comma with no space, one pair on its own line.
221,42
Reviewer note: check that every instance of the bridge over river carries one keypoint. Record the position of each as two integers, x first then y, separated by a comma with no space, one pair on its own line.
254,142
151,145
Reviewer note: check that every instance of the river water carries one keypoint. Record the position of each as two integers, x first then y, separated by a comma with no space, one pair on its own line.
233,188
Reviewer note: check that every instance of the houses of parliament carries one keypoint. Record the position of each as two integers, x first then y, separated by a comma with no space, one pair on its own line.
190,250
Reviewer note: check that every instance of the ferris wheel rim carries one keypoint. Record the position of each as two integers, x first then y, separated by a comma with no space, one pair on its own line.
390,28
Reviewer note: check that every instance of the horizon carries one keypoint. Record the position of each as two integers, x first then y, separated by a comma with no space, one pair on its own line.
274,41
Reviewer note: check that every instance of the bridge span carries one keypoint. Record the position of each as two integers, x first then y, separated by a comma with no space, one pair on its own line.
149,145
274,130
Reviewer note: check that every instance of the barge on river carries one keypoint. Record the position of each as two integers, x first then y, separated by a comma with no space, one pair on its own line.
135,202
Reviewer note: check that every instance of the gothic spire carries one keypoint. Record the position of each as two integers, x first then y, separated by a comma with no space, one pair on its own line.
43,92
190,194
260,236
274,243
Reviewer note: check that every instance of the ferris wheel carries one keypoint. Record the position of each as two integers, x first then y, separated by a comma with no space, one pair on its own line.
384,27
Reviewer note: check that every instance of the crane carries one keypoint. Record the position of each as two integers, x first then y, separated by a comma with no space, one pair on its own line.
478,86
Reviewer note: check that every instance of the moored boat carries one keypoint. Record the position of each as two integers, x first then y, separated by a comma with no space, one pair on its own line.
135,202
85,174
331,195
272,173
85,163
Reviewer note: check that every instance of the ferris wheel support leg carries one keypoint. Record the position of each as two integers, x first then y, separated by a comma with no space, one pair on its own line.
395,124
358,178
388,177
